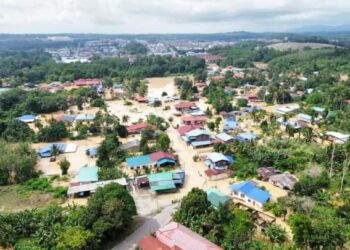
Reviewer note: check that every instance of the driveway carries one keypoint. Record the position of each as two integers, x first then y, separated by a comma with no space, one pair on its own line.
149,225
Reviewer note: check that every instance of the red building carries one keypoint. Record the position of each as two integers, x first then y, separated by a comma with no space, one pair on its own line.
187,128
193,120
138,127
185,105
87,82
175,236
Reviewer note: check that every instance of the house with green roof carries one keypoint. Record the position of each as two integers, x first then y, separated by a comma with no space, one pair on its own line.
216,197
88,174
166,181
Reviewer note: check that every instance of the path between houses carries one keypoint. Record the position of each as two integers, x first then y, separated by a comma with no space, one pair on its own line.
149,225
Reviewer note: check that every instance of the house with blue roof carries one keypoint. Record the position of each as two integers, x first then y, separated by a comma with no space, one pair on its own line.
246,137
218,161
224,138
198,138
156,159
249,193
230,123
27,118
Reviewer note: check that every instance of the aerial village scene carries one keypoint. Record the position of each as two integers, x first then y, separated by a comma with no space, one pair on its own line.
207,145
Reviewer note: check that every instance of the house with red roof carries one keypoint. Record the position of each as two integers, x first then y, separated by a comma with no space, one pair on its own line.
185,106
176,237
138,127
140,99
193,120
210,58
217,174
87,82
218,77
149,242
187,128
254,98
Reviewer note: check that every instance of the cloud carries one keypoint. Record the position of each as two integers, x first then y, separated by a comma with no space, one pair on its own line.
164,16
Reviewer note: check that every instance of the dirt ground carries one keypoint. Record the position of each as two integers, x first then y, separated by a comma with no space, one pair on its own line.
77,159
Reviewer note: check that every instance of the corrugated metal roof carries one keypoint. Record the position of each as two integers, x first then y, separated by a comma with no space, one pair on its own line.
251,190
91,187
87,174
139,160
216,197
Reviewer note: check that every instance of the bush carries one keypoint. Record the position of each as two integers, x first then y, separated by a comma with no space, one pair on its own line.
242,102
64,165
276,233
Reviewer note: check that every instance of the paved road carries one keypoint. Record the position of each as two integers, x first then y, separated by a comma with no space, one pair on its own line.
149,225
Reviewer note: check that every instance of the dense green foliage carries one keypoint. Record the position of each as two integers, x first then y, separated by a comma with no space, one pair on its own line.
226,226
186,88
108,213
245,53
17,163
109,154
38,67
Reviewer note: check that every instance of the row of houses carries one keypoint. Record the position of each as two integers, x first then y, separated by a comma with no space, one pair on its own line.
87,117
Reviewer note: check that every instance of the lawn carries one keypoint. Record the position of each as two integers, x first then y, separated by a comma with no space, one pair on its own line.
13,200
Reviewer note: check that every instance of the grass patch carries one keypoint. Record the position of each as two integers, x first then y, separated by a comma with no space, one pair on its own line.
13,200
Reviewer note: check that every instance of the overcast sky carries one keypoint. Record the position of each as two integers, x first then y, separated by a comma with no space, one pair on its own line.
168,16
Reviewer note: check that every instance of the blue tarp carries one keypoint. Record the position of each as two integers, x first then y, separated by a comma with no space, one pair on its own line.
46,151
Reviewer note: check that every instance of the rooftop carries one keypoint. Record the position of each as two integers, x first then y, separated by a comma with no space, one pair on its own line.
175,234
88,174
250,189
216,197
